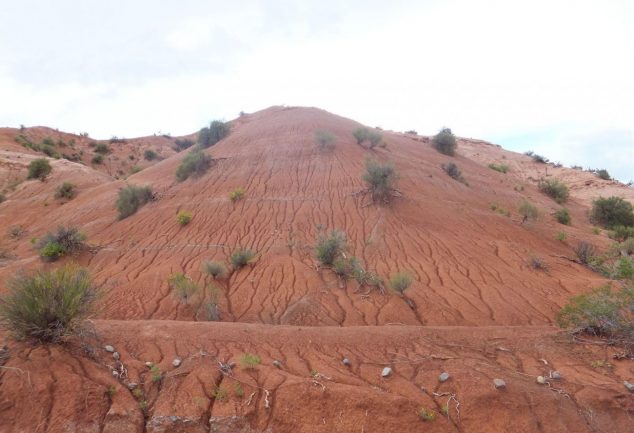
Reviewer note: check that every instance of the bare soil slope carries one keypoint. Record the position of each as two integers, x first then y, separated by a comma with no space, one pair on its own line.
487,313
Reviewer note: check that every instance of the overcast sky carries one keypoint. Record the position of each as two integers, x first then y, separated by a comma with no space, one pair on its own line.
556,77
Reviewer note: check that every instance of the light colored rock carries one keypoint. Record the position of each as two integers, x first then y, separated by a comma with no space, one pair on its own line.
108,348
132,385
443,377
177,362
148,364
346,362
277,363
387,371
499,383
541,380
116,356
629,386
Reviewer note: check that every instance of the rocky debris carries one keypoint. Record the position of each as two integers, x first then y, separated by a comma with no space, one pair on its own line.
169,423
277,363
148,364
346,362
177,362
443,377
541,380
629,386
387,371
116,356
132,385
499,383
555,375
108,348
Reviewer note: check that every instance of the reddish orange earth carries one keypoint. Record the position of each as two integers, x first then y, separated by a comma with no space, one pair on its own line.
476,309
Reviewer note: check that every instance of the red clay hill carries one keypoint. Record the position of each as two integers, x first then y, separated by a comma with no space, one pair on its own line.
273,358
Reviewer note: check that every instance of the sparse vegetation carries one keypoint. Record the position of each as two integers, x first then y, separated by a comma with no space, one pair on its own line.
150,155
563,216
215,269
48,306
374,138
102,148
330,248
325,139
241,257
236,194
360,134
64,241
528,210
445,142
621,233
380,179
183,218
561,236
603,174
585,252
555,189
182,144
346,267
454,172
131,198
537,158
612,212
65,191
39,168
216,131
97,159
538,264
502,168
196,163
400,282
426,414
249,360
155,373
183,286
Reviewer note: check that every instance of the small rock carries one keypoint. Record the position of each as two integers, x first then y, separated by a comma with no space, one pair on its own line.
115,373
629,386
346,362
541,380
277,363
176,362
116,355
132,385
499,383
148,364
108,348
443,377
555,375
387,371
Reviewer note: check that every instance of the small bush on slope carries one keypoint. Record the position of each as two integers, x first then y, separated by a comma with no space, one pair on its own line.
325,139
184,288
48,306
216,131
563,216
612,212
445,142
183,218
454,172
555,189
131,198
196,163
381,179
400,282
528,210
330,248
215,269
150,155
241,257
64,241
39,169
502,168
65,190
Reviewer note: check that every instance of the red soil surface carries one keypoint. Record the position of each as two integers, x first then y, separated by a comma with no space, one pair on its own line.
476,308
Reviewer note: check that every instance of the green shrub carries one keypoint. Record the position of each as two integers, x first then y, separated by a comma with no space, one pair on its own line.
211,135
555,189
49,151
603,174
48,306
64,241
426,414
537,158
65,190
325,139
612,212
621,233
626,247
329,248
182,144
346,267
131,198
196,163
150,155
502,168
585,251
39,168
453,171
184,288
97,159
601,312
528,210
183,218
360,134
135,169
215,269
236,194
562,236
241,257
400,282
249,360
102,148
381,179
623,269
374,138
445,142
563,216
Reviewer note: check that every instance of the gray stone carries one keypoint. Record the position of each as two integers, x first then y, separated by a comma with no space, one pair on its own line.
176,362
346,362
108,348
499,383
443,377
387,371
116,355
629,386
277,363
555,375
132,385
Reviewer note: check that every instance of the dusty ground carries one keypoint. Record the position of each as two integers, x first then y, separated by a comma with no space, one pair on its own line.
487,313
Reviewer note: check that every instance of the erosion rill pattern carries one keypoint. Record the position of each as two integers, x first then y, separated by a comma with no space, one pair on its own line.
470,268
